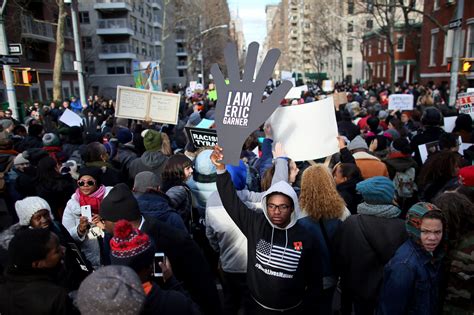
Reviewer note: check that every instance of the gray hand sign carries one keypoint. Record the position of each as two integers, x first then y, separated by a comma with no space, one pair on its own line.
240,109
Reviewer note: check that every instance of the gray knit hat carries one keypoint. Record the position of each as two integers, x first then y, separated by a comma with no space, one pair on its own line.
111,290
357,143
144,181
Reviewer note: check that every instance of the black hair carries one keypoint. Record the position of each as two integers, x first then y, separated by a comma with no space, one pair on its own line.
173,173
459,213
277,193
436,214
28,246
35,130
448,141
350,171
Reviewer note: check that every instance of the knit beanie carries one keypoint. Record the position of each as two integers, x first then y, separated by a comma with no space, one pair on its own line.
50,140
119,204
19,159
92,171
144,181
466,176
204,170
377,190
130,247
111,290
124,135
6,123
27,207
151,140
414,216
238,175
357,143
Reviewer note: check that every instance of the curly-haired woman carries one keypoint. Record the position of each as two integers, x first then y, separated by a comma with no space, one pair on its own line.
325,211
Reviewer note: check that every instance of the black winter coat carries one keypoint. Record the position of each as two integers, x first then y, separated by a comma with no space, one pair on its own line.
348,192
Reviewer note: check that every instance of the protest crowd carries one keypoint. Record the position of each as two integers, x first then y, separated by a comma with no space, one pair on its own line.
122,216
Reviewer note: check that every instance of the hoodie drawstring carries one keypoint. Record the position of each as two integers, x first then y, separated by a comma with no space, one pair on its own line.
286,244
271,247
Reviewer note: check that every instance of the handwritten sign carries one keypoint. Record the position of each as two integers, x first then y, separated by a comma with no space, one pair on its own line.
400,102
465,103
143,104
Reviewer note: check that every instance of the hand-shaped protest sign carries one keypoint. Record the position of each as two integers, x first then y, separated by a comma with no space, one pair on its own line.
240,109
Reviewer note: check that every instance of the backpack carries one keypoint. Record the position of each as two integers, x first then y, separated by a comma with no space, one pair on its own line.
404,183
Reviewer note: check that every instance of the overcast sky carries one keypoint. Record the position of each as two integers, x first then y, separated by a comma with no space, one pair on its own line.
252,13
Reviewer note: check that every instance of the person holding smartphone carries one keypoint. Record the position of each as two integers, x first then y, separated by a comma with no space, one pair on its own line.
81,216
135,249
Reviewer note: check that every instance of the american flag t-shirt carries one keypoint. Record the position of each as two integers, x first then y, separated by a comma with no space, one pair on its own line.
277,257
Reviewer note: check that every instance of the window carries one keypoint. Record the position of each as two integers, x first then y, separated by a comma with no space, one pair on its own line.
445,49
370,6
379,47
378,66
181,73
470,42
118,67
369,24
433,47
436,5
384,69
84,17
86,42
350,44
68,61
401,43
144,49
350,27
384,45
370,50
66,91
399,72
89,67
350,7
349,62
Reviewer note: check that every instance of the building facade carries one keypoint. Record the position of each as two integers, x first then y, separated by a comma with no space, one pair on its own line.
437,40
29,23
114,33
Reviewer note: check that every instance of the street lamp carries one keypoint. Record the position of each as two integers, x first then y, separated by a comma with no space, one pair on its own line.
201,34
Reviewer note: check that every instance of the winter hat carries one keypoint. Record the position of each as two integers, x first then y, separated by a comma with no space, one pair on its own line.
238,174
377,190
50,140
357,143
124,135
119,204
151,140
401,145
130,247
144,181
466,176
27,207
204,170
19,159
111,290
431,117
414,216
94,172
6,123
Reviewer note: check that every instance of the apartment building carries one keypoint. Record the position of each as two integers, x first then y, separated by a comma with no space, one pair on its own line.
114,33
30,23
437,43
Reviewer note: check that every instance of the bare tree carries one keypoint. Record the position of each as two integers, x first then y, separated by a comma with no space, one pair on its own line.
58,57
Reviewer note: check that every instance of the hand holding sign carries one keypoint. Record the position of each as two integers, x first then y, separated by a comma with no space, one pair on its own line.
240,109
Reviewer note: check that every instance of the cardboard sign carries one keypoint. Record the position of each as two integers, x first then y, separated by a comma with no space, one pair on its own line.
70,118
201,137
340,98
400,102
295,92
328,85
143,104
240,109
307,131
465,103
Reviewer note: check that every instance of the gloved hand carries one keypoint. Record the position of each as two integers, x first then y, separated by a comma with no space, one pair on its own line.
240,109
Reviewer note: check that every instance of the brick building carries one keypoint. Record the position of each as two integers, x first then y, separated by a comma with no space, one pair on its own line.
436,43
31,23
377,60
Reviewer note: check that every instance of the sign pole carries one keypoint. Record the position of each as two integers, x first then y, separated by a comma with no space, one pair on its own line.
456,52
7,68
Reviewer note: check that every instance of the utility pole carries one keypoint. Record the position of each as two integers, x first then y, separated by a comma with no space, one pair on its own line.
6,68
456,52
77,48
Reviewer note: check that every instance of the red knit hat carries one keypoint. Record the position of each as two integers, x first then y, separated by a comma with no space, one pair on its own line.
130,245
466,176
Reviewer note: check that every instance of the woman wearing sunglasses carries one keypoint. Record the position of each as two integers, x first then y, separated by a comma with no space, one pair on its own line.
84,229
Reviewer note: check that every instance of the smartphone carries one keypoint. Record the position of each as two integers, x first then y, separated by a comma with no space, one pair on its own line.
159,257
86,211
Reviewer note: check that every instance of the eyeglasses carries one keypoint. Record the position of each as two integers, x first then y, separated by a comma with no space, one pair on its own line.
82,183
282,207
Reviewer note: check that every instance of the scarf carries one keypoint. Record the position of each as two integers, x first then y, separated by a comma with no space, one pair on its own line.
92,200
381,211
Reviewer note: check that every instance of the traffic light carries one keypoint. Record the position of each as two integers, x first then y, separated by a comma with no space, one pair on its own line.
29,77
